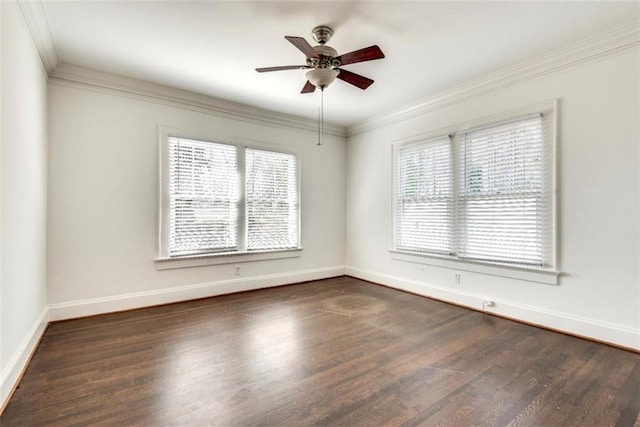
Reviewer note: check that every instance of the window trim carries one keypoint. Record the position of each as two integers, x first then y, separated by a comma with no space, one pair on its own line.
542,274
163,260
222,258
548,276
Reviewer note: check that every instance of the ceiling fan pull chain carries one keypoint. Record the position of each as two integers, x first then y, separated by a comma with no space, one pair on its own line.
319,137
321,115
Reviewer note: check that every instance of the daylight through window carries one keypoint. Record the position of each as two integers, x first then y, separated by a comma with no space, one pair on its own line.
225,198
483,194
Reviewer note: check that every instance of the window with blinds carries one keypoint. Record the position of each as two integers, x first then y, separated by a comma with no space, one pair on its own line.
483,195
203,197
501,200
227,198
424,197
271,200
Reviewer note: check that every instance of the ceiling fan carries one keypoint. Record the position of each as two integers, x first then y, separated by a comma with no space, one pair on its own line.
324,62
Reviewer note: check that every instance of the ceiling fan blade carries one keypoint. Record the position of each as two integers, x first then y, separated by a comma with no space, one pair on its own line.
367,54
308,88
284,67
303,45
355,79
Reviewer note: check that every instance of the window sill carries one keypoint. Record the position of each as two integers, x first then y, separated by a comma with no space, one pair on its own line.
531,274
224,258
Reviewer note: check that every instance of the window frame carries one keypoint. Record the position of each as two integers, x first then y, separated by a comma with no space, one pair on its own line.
163,260
544,274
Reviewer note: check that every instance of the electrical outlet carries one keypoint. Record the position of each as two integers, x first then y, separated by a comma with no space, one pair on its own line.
487,303
236,270
456,278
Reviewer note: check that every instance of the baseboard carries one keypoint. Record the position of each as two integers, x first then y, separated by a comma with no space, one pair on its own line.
606,332
94,306
17,364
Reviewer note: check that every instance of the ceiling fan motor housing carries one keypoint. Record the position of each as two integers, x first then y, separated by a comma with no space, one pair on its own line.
327,57
325,67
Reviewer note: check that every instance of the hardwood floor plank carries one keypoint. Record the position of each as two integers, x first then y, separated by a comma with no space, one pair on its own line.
333,352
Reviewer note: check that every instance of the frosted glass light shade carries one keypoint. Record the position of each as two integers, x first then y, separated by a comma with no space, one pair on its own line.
322,77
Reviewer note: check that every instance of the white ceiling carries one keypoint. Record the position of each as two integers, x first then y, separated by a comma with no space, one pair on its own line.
213,47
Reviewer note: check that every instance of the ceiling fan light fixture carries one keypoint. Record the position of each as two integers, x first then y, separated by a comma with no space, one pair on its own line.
322,77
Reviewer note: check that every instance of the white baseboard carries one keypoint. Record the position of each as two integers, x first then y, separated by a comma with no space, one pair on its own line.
93,306
598,330
17,364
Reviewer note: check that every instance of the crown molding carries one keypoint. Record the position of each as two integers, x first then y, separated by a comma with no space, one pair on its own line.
37,21
98,80
576,54
35,17
583,52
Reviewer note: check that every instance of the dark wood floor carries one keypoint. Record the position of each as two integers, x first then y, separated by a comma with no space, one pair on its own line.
332,352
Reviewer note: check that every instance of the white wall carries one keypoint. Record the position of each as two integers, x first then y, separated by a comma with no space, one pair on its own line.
599,291
103,204
23,307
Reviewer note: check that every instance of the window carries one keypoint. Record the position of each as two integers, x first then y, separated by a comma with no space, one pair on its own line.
272,200
225,198
484,194
425,195
203,197
501,198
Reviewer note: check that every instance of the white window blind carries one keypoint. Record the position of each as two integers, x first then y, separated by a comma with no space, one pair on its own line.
271,200
501,198
484,195
424,196
203,197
